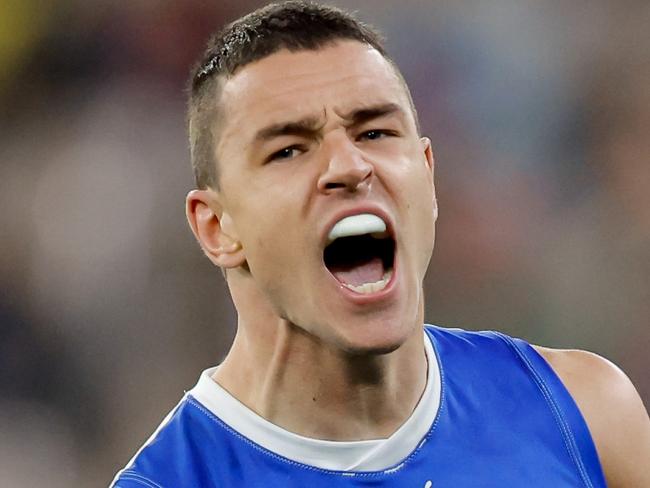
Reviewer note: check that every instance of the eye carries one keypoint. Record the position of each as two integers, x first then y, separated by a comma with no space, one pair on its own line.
372,135
286,153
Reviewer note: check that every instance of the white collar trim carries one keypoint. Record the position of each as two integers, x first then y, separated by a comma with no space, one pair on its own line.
370,455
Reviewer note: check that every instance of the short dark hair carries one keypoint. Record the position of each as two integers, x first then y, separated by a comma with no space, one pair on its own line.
293,25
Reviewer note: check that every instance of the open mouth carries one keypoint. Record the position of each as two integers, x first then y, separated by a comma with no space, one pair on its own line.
361,253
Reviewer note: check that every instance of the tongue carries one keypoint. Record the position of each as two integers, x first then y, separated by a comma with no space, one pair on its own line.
367,271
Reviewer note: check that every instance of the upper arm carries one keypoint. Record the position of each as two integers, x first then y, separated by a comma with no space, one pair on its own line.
613,410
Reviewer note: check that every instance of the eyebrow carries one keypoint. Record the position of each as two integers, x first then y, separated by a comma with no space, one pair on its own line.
303,127
362,115
308,126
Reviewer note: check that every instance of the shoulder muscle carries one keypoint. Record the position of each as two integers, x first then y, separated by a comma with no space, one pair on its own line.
613,410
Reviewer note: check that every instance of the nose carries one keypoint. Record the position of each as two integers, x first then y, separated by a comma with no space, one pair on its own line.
347,170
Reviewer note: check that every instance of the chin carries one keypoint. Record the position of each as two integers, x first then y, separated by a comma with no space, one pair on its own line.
375,337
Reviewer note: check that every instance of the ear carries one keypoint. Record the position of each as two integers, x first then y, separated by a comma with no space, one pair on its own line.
428,152
213,228
430,161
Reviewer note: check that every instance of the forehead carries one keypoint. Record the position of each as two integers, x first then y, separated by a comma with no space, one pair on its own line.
340,77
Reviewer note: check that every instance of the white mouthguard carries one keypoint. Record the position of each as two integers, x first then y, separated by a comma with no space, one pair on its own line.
356,225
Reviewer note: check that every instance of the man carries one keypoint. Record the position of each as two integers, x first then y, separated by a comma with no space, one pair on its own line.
316,198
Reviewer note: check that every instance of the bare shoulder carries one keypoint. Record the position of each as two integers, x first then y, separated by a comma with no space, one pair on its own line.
614,412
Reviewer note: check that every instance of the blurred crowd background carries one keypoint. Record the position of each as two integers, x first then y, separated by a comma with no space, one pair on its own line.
539,112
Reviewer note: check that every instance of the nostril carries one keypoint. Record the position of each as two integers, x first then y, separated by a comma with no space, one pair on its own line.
334,186
345,175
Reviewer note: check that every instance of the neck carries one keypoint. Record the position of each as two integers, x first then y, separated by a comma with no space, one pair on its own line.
306,386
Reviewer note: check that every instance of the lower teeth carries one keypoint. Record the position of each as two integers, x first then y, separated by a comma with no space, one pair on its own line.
367,288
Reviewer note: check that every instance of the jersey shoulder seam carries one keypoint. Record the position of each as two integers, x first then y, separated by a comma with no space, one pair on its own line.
563,425
138,478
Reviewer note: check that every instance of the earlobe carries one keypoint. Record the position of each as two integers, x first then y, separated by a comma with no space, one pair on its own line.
213,228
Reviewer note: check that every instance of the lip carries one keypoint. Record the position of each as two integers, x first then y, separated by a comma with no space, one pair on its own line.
391,286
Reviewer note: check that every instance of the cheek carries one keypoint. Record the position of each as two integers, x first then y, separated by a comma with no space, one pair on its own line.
420,206
271,243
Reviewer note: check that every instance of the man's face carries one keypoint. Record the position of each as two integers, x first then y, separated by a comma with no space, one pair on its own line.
308,139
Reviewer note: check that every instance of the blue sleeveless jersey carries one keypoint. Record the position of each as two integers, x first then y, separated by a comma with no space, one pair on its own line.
505,420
